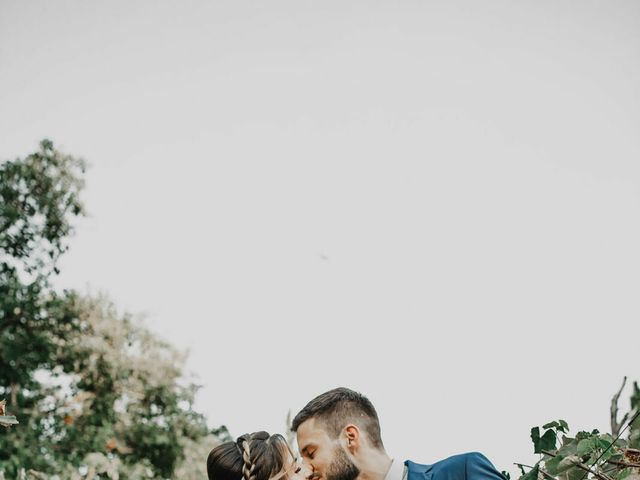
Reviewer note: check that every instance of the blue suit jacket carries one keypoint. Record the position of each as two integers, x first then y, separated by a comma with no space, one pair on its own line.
468,466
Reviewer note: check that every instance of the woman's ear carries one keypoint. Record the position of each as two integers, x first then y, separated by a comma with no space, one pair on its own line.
352,436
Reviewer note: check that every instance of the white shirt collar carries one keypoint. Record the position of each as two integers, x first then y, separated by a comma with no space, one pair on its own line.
396,471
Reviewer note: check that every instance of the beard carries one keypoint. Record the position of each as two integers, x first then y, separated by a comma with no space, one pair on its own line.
342,468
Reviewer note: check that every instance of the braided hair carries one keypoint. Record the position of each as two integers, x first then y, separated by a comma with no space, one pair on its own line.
255,456
248,466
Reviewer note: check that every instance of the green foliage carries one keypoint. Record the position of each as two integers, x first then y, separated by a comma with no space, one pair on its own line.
588,455
116,404
125,397
544,442
39,197
532,474
96,393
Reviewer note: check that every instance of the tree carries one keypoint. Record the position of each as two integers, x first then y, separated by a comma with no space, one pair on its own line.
95,392
39,198
125,406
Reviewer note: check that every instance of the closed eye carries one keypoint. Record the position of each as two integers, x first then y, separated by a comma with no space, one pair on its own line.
308,452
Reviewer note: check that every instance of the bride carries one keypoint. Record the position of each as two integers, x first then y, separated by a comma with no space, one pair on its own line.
255,456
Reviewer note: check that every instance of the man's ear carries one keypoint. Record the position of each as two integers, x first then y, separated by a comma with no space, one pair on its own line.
352,437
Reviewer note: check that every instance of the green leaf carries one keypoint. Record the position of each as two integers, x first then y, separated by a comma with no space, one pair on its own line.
604,444
617,456
607,455
546,442
533,473
567,463
559,425
559,464
535,438
569,446
623,474
572,474
608,437
551,465
585,447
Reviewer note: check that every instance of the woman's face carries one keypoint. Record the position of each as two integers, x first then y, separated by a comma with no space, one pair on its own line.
298,470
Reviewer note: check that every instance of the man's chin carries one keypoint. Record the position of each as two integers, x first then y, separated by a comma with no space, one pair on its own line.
350,474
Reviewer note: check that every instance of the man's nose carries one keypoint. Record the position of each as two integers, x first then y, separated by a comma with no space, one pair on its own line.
307,471
310,471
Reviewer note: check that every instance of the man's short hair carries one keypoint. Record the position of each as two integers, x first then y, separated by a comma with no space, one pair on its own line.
339,407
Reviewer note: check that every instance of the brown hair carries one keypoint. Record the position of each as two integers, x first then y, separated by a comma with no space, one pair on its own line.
339,407
255,456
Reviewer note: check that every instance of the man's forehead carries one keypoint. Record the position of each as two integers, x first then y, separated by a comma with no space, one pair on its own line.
310,431
311,425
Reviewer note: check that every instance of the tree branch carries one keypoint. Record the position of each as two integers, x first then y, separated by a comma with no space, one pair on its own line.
623,464
615,426
584,467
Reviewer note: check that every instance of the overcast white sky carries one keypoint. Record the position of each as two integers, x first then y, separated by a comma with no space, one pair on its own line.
436,203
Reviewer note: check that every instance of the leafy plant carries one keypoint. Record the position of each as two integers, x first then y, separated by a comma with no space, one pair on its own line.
588,455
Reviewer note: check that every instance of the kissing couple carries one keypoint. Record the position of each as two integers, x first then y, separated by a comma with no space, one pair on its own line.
338,434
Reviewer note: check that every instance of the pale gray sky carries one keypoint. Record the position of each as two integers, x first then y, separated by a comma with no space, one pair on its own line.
436,203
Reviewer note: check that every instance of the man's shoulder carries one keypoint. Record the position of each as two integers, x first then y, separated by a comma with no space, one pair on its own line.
464,466
464,459
459,459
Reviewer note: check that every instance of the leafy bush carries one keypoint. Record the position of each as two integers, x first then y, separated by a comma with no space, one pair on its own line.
589,454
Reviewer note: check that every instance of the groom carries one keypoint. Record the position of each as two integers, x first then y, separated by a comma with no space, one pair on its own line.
338,435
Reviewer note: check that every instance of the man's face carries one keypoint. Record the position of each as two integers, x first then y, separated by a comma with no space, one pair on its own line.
325,455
